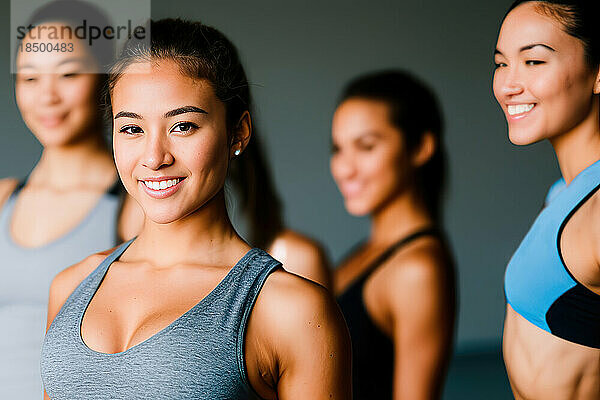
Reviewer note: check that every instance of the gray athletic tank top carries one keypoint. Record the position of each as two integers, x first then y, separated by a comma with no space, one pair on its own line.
200,355
26,274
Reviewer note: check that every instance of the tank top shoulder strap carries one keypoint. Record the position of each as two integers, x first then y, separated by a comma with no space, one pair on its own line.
577,192
87,288
250,281
391,250
9,203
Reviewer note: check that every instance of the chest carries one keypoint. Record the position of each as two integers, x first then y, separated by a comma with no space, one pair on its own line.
366,282
134,303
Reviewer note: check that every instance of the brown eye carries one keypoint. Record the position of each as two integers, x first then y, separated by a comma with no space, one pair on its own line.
131,130
184,127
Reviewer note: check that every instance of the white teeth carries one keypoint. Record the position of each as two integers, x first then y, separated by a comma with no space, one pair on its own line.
519,108
161,185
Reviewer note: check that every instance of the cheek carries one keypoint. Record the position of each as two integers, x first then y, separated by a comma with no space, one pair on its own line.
126,155
497,82
25,99
567,97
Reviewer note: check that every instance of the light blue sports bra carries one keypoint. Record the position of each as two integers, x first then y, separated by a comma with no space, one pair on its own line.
539,286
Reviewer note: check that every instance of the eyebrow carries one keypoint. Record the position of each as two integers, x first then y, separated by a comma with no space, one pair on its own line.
168,114
183,110
67,61
528,47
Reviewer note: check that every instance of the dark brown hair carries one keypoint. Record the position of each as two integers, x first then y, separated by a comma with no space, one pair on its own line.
414,111
578,18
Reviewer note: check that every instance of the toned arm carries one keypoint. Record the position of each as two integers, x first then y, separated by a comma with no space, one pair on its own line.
421,304
304,346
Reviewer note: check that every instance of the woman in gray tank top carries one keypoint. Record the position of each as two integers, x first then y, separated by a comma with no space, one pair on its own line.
66,208
187,310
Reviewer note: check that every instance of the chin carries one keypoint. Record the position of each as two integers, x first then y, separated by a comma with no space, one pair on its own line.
357,209
523,138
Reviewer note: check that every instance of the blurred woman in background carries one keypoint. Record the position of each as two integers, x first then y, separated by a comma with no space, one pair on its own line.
70,204
396,289
547,81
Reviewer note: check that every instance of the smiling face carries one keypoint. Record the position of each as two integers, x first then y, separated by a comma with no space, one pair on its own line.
57,91
170,139
369,163
542,80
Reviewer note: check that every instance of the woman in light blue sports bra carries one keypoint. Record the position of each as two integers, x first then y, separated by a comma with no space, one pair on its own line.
547,81
187,310
69,205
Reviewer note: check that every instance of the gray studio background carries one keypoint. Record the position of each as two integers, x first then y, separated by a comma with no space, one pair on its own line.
298,56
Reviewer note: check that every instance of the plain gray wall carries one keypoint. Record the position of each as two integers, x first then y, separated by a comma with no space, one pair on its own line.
298,56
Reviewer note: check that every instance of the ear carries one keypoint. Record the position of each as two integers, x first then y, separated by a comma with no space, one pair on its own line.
425,151
241,135
597,83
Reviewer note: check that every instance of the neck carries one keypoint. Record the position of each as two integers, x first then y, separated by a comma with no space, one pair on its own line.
579,148
206,234
398,218
85,163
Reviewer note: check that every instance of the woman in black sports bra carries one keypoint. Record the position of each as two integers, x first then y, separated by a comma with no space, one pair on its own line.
396,289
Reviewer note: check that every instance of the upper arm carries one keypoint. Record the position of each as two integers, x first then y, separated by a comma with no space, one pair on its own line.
302,256
421,305
67,280
308,338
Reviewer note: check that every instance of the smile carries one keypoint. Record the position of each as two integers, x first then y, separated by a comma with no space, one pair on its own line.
519,109
162,185
161,188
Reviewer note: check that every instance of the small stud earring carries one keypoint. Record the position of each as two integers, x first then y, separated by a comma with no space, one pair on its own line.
237,152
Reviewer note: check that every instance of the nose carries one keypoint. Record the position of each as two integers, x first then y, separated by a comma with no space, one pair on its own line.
512,84
157,153
49,94
342,166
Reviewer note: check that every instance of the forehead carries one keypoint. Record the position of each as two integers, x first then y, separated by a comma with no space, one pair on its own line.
527,24
356,117
50,34
160,85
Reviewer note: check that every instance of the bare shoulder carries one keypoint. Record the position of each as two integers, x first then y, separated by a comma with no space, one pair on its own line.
290,306
65,282
7,186
303,340
424,270
302,256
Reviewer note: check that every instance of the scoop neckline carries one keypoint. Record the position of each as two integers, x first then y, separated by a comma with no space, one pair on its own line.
205,301
10,206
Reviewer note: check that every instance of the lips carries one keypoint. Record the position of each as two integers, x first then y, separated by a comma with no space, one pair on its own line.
515,112
351,189
161,187
51,121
